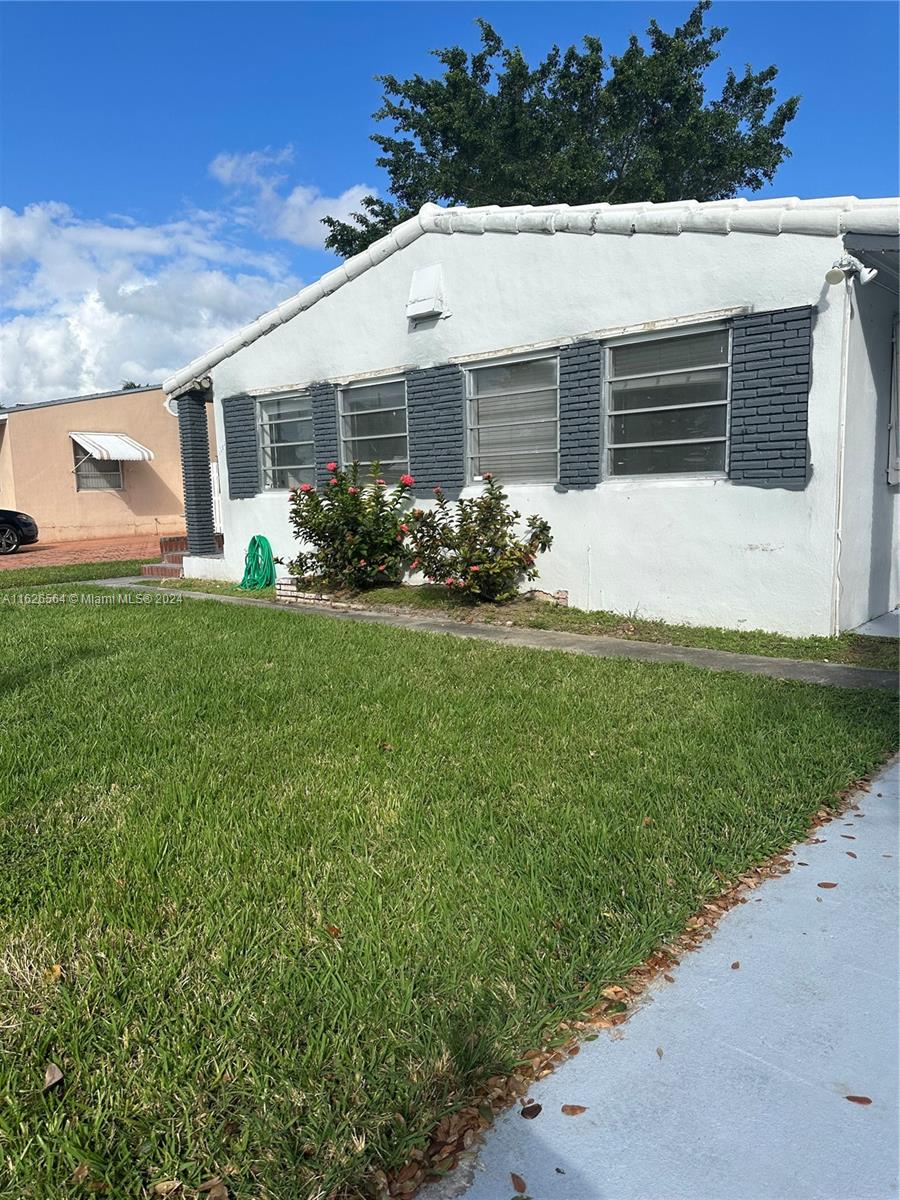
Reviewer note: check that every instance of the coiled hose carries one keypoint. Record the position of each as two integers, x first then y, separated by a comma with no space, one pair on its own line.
259,566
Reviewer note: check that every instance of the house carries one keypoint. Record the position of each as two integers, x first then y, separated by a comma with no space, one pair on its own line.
697,396
105,465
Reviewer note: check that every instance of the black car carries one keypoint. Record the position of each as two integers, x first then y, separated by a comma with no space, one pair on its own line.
16,529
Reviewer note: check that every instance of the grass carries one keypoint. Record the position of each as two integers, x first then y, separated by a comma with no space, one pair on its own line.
215,587
19,577
276,892
851,649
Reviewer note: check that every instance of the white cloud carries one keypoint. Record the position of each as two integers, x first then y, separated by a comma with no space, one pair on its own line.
90,303
294,215
254,169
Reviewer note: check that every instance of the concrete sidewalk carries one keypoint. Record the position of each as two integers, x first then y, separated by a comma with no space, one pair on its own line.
830,674
732,1082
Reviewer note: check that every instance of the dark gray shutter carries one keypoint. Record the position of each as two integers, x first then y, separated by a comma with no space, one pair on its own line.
770,376
193,437
435,414
241,448
325,428
580,409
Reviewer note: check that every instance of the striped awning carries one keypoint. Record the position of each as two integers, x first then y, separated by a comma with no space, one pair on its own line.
117,446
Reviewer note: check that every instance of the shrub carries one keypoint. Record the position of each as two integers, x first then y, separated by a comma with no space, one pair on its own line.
474,549
356,530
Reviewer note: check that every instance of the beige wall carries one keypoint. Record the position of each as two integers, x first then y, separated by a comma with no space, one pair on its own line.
7,485
37,451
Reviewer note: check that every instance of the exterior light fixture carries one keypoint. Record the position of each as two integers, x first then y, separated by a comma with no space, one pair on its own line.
846,267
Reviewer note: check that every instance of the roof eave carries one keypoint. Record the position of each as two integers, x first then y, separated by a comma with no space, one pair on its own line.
819,218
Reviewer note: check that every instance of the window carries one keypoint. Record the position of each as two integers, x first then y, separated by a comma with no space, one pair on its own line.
286,442
667,405
96,474
373,428
514,421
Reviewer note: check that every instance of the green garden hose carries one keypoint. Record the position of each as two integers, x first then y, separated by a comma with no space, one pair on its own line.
259,566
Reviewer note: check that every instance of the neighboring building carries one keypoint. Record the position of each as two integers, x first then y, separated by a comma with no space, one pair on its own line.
704,420
94,466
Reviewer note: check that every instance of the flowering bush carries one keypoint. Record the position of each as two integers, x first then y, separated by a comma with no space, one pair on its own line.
475,550
356,530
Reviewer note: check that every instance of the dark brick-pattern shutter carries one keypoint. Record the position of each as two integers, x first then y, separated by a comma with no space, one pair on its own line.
580,413
435,413
325,428
241,449
193,436
770,377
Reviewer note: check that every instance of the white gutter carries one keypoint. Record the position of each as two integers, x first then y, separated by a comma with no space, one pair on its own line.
836,586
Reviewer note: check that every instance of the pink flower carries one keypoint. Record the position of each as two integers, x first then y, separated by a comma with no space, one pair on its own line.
413,564
381,568
332,482
475,568
362,562
437,489
487,476
404,529
331,467
407,480
379,482
450,582
352,490
306,488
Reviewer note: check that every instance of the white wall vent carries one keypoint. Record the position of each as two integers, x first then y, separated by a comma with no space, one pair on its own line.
426,293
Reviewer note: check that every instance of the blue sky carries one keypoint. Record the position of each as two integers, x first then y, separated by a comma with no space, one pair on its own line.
164,165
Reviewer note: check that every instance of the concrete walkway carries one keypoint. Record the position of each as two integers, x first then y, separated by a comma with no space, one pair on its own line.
731,1082
832,674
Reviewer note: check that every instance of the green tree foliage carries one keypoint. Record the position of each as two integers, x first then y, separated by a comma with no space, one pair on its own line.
578,128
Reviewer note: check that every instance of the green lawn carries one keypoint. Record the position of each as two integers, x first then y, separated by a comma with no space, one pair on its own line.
277,891
20,578
849,648
215,587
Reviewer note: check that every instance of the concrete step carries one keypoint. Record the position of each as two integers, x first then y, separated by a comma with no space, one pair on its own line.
163,570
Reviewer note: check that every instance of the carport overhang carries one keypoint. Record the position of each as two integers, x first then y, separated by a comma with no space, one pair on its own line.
881,251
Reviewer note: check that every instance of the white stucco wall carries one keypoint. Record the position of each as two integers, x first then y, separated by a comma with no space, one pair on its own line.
694,551
867,570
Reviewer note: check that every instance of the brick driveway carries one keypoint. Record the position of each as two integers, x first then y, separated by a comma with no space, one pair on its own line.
60,554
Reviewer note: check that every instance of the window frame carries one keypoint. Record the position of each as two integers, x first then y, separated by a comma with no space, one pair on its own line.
90,458
500,360
609,380
355,384
261,447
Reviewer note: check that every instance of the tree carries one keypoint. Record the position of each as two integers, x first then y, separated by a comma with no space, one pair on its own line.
576,129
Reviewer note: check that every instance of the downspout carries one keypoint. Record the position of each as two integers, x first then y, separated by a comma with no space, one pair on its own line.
841,447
